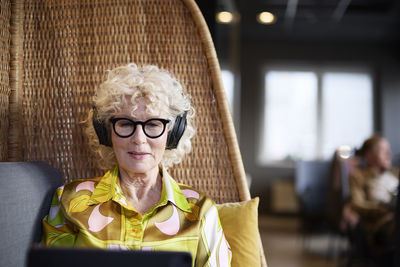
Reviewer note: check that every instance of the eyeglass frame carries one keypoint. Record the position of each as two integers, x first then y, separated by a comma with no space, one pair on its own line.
142,123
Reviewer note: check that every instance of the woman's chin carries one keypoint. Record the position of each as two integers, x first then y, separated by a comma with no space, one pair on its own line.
138,168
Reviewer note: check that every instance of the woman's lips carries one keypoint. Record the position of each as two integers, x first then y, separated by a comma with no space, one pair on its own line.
137,155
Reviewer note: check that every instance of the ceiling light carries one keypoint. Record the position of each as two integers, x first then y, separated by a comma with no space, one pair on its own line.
224,17
266,18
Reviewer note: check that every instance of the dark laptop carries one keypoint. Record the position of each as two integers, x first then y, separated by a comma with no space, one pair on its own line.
74,257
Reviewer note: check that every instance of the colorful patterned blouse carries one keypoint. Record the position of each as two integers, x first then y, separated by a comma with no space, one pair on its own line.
95,213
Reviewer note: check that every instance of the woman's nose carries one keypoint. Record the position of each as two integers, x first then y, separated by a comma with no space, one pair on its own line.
139,136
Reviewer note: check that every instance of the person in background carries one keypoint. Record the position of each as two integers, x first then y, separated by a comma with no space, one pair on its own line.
396,260
373,193
140,125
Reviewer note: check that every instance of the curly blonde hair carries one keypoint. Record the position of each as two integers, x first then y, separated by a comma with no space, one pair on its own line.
156,85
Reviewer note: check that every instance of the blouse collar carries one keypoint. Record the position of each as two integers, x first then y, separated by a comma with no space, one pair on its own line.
109,188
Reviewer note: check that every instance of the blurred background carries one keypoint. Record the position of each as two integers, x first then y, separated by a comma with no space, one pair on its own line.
305,78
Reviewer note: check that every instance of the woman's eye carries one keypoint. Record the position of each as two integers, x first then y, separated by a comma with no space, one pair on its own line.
125,124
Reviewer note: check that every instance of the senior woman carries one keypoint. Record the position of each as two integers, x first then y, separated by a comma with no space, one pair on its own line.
140,125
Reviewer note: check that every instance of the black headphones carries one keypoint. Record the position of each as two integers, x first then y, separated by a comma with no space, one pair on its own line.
177,131
174,135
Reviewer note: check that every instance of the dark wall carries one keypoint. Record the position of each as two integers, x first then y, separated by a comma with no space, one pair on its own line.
246,57
208,9
391,108
383,59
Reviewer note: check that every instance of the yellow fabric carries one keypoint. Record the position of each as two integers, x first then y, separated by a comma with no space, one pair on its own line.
95,213
240,223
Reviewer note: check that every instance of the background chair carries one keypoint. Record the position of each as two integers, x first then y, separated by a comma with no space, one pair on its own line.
56,52
312,186
338,191
338,212
26,189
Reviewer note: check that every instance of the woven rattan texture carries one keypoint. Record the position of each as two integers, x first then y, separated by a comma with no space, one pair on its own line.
68,46
5,38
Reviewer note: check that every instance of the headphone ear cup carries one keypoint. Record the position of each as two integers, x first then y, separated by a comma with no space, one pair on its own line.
101,129
177,131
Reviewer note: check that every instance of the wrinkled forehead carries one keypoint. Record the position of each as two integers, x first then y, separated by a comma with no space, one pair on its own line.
152,106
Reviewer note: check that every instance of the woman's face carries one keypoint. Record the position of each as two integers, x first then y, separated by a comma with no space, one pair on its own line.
381,155
384,155
139,154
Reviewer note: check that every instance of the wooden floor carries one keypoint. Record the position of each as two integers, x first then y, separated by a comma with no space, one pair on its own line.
285,247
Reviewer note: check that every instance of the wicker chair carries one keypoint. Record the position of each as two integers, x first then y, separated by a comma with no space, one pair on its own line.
54,53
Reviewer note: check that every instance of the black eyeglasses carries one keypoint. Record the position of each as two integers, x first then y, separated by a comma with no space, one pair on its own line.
153,128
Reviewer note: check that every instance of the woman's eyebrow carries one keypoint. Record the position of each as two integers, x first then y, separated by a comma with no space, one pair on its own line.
136,119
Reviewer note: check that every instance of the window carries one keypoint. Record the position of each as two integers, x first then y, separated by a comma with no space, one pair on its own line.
228,82
308,114
290,107
347,110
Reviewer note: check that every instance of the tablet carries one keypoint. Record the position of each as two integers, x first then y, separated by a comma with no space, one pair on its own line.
80,257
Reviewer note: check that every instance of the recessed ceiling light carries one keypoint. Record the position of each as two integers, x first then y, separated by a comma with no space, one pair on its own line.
224,17
266,18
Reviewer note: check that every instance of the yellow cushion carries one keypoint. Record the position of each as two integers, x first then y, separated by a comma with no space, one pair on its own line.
240,223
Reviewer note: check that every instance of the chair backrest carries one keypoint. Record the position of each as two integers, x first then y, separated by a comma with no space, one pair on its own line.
337,191
312,181
5,87
65,48
26,189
